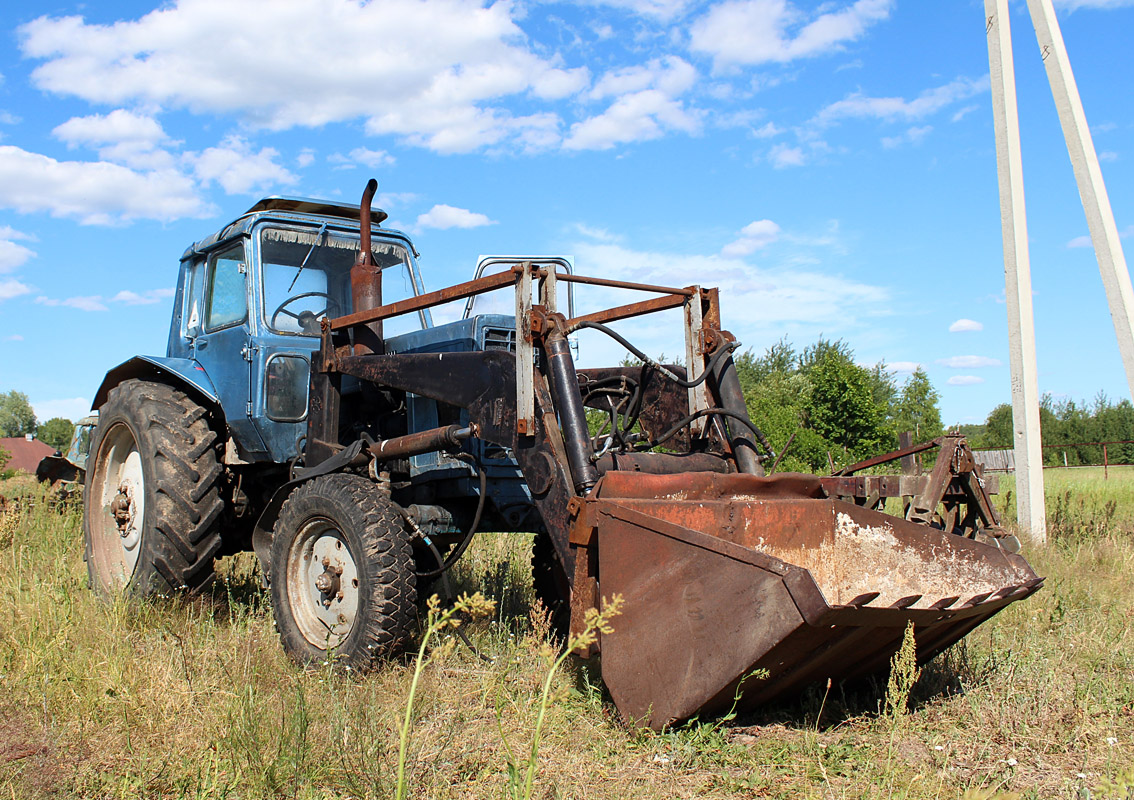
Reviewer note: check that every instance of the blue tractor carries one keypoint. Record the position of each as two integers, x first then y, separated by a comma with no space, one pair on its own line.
309,409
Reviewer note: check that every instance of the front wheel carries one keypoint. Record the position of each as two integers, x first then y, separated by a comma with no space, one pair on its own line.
152,504
342,574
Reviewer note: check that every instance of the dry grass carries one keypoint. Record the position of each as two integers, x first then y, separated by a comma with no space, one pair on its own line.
195,699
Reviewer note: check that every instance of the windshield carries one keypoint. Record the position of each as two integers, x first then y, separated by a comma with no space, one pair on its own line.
306,275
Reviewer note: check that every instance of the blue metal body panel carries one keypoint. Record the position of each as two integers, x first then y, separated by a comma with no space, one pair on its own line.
183,370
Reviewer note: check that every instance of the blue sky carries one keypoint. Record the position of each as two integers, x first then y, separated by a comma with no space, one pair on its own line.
830,166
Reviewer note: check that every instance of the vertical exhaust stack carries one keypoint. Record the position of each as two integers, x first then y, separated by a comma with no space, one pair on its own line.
366,281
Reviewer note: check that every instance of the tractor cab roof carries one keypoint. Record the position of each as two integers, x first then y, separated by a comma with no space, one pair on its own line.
284,209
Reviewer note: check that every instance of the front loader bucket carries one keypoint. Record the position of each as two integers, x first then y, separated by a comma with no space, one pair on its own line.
724,575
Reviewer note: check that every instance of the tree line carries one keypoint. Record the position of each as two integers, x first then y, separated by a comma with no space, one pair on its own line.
1069,423
832,410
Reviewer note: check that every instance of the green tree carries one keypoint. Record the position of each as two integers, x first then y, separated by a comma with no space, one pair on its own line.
998,427
841,405
16,415
917,409
56,432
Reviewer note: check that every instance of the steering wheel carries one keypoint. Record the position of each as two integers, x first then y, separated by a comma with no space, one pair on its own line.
308,320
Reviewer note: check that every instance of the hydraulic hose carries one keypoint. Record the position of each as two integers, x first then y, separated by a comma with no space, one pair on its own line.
446,564
720,353
721,412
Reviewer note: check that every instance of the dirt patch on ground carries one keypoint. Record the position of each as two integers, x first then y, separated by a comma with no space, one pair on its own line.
29,764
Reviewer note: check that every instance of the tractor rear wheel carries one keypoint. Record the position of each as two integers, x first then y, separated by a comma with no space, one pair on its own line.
152,502
549,582
342,569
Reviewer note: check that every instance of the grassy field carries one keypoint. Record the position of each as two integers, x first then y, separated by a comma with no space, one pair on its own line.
194,699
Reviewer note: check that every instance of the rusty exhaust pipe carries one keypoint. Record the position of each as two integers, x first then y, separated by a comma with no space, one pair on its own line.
366,281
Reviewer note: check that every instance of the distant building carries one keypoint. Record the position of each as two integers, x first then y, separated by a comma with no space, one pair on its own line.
25,453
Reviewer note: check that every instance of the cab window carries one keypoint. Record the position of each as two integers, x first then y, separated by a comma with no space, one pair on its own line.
227,294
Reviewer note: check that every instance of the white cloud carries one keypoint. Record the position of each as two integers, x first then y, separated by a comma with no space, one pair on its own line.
962,113
969,362
238,168
12,255
10,287
8,118
671,75
782,156
443,217
388,200
646,106
912,135
94,192
662,10
87,303
99,303
964,380
596,234
15,337
120,136
964,324
363,156
427,70
1108,155
753,236
131,298
897,108
72,408
752,297
903,367
371,158
762,31
305,158
769,130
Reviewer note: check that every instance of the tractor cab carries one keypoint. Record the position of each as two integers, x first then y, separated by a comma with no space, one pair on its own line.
249,303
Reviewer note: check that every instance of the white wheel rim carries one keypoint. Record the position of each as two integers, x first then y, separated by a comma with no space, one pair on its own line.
118,472
324,615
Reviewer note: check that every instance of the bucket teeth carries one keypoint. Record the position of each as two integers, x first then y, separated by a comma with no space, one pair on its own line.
864,599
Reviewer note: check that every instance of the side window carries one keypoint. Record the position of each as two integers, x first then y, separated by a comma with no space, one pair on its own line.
194,305
227,293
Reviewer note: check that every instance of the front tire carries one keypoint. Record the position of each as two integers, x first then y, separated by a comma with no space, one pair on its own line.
152,502
342,574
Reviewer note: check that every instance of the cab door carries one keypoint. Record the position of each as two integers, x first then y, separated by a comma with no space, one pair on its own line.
224,344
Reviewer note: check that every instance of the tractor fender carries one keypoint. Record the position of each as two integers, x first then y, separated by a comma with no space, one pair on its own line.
183,373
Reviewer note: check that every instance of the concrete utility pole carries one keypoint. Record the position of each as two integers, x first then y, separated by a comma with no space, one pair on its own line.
1017,274
1096,203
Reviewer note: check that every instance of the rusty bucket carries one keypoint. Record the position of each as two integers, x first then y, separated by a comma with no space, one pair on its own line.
726,575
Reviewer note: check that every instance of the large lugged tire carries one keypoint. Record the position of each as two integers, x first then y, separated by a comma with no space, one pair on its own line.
550,584
152,503
342,574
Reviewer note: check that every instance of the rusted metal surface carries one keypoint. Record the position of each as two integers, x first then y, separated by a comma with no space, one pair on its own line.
726,574
427,300
630,310
644,287
663,463
366,281
426,441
